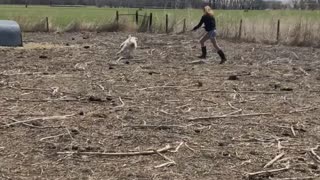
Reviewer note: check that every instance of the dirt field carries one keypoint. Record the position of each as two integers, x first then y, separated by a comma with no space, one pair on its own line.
229,120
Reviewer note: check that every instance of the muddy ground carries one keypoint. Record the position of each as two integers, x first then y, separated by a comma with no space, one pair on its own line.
230,120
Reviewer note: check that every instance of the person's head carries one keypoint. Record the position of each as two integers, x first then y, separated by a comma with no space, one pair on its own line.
208,11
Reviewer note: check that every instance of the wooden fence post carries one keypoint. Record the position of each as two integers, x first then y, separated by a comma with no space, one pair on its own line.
117,16
47,24
137,17
278,30
184,25
150,22
167,23
240,29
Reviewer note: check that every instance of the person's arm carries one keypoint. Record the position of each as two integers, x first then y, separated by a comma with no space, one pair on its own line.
199,25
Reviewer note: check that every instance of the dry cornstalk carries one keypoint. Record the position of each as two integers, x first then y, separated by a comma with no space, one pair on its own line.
165,86
69,133
42,100
178,147
312,150
303,110
157,126
41,118
293,132
165,157
23,114
279,144
26,124
101,87
31,89
49,137
274,160
122,103
170,161
229,116
165,164
304,72
119,59
233,106
54,91
165,112
244,92
38,127
189,147
269,171
295,55
297,178
234,112
39,89
162,150
24,73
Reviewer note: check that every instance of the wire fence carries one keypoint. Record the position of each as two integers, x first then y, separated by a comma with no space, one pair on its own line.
277,31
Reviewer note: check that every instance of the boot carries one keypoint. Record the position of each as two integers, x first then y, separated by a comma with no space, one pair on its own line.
204,53
222,56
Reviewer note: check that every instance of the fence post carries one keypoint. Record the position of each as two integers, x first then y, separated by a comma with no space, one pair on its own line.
137,17
184,25
47,24
240,29
117,16
167,23
150,22
278,30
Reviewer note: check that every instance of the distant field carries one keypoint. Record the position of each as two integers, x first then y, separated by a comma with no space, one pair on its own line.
257,25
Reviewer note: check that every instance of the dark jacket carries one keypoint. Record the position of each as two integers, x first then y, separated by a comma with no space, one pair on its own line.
209,23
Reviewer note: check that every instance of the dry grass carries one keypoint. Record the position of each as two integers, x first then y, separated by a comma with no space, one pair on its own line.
28,25
292,32
304,33
125,24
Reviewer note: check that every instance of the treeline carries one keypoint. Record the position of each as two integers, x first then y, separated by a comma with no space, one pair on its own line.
115,3
217,4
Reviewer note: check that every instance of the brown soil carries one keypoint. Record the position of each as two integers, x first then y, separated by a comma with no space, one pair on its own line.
56,75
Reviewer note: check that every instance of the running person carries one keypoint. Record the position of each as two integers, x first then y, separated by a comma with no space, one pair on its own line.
210,26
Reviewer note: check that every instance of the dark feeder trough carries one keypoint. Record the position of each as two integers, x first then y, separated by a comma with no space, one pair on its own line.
10,33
